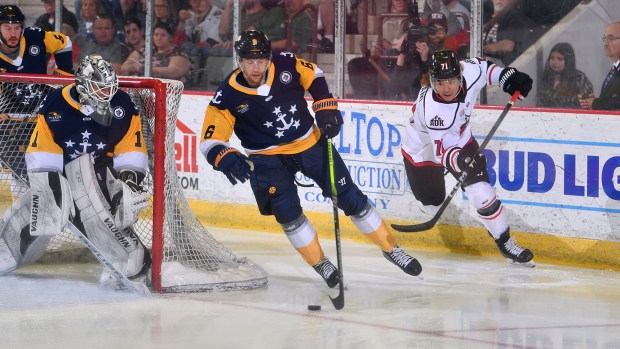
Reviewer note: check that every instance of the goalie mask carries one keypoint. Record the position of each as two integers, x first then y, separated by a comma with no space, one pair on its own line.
96,84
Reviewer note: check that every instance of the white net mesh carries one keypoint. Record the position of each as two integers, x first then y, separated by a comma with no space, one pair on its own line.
186,257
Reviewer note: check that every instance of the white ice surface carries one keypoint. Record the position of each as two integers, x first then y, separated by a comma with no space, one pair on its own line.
463,302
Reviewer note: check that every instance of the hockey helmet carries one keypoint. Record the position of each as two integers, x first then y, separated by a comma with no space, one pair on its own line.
253,44
96,84
444,65
11,14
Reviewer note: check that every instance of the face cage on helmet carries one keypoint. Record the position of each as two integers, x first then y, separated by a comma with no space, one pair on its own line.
98,90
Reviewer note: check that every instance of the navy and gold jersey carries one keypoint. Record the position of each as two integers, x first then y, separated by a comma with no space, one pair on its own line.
63,133
271,119
34,46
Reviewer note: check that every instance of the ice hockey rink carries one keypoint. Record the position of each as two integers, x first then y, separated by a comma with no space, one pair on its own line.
462,302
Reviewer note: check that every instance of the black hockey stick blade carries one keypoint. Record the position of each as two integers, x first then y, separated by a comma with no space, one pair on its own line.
412,228
338,301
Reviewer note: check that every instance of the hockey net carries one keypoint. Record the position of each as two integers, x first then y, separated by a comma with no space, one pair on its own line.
186,257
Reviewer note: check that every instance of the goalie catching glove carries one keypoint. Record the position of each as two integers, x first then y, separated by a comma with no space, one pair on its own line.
512,80
466,160
328,117
128,197
236,166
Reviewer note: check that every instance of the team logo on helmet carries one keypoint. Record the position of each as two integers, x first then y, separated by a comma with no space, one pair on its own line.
286,77
35,50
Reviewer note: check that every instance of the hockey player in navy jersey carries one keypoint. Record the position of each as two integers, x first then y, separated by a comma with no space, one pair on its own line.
95,125
25,50
263,103
439,135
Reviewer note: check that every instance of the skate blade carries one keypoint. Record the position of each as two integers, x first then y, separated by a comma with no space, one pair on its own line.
529,264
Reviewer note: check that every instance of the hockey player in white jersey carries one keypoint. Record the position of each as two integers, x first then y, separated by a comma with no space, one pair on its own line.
439,135
85,160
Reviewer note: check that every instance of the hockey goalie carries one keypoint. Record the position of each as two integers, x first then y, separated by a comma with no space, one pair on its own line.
85,162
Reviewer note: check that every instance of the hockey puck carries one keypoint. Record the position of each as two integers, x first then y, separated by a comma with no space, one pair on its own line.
314,307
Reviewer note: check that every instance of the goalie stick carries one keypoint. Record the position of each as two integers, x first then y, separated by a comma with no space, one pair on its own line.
431,223
339,300
139,288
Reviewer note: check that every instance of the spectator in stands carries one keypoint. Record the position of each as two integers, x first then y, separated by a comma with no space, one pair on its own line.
363,73
456,7
609,99
505,33
88,12
440,6
168,61
46,20
105,43
165,12
301,29
201,24
256,14
134,34
561,82
134,9
414,58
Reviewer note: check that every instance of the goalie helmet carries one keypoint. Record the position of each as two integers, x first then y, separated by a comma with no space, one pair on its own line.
253,44
11,14
96,84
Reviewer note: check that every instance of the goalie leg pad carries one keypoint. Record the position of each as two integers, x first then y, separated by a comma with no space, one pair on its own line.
121,246
17,246
51,204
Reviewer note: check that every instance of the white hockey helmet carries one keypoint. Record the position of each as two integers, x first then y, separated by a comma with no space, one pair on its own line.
96,84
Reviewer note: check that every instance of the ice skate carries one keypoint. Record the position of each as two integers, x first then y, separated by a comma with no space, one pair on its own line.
328,271
404,261
513,252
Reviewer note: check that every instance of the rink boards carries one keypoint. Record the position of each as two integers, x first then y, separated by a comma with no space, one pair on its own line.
557,173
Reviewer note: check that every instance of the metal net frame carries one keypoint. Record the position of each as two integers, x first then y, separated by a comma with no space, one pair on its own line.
186,257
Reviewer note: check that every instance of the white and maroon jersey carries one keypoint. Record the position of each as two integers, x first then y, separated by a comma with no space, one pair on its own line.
437,125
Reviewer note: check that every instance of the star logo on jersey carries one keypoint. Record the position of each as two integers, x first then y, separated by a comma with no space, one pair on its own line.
82,147
281,117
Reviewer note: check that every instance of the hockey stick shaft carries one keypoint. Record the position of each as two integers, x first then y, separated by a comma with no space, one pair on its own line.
431,223
339,300
136,287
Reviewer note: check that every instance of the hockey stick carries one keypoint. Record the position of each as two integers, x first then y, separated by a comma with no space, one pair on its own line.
137,287
338,301
431,223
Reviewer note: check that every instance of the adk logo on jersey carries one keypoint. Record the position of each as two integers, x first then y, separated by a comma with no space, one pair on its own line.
436,121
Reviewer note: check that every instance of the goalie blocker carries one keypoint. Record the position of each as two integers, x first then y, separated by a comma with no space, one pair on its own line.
28,226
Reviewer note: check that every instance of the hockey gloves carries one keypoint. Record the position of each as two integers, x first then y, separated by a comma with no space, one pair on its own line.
464,160
512,80
328,117
232,163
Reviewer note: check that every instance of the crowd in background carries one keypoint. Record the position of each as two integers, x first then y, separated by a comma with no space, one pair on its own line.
188,33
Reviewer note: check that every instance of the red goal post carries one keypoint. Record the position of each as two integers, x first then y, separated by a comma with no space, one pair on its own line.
185,256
